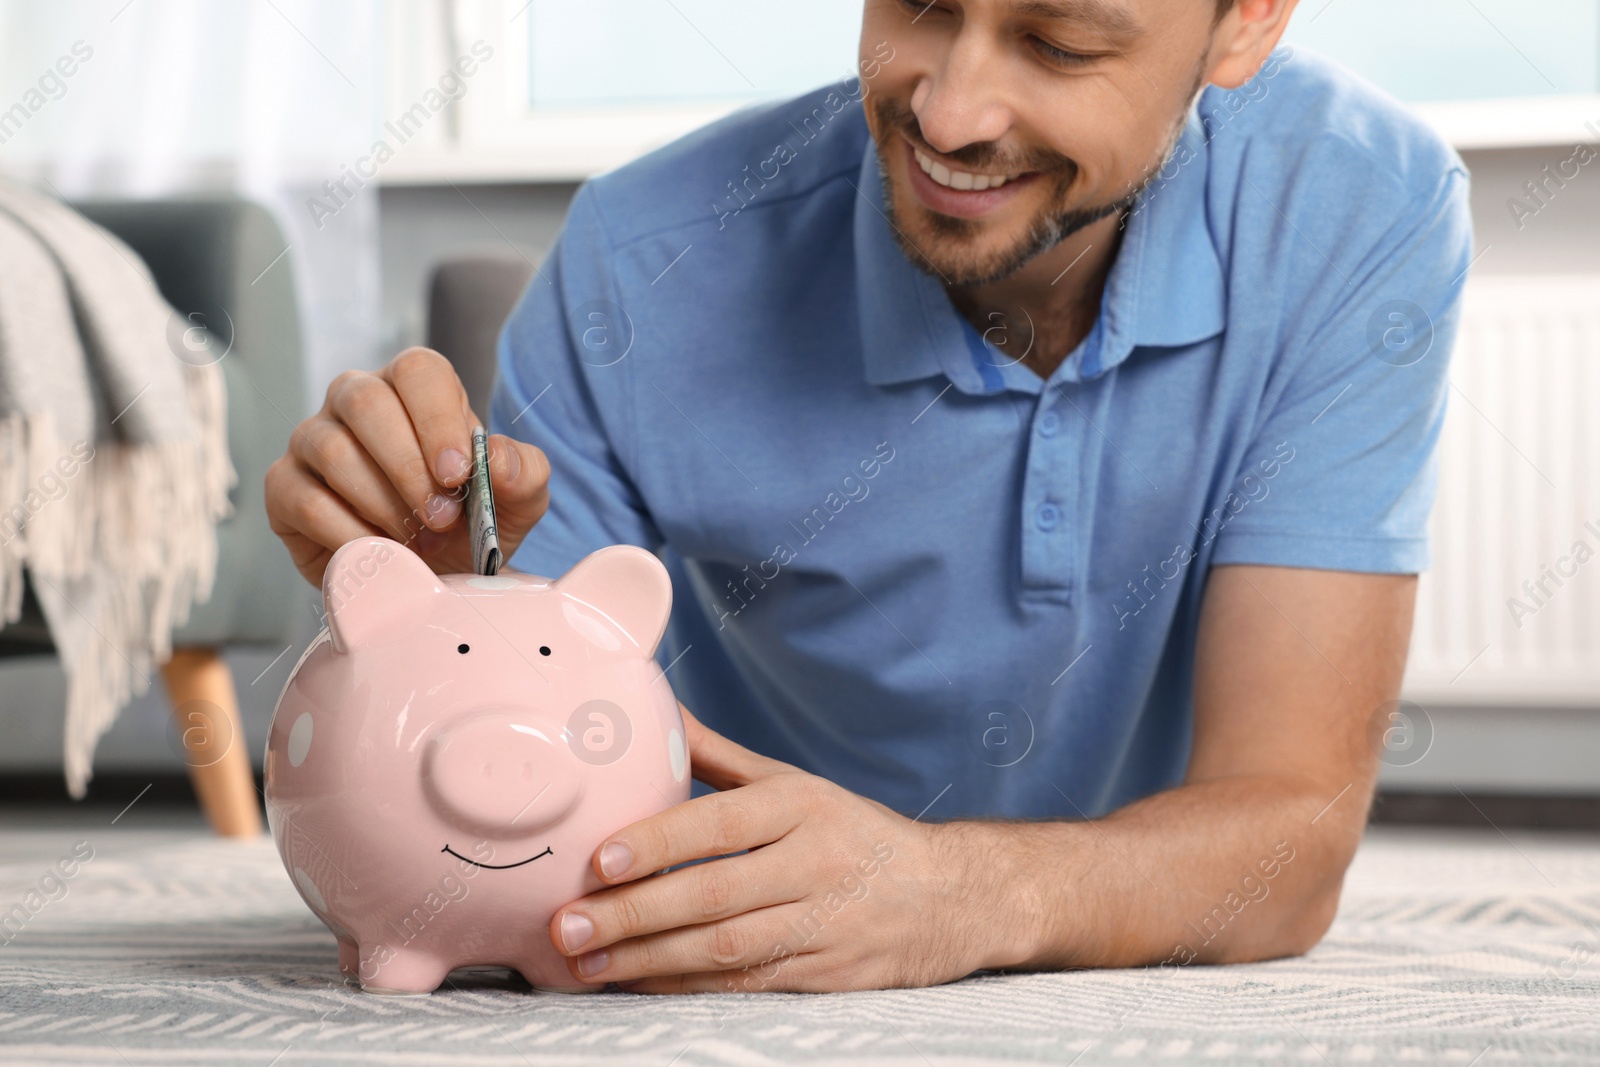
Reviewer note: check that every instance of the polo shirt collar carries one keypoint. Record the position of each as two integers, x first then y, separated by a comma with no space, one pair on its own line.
1166,287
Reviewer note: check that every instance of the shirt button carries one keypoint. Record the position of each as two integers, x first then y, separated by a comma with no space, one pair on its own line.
1048,517
1049,424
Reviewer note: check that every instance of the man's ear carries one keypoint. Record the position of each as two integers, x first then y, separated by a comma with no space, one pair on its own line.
1244,39
374,588
627,585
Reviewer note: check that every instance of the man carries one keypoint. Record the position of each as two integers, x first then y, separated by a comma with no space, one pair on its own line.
1042,459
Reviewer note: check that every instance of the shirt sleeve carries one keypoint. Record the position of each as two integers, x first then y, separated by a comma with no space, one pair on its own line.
1342,470
564,384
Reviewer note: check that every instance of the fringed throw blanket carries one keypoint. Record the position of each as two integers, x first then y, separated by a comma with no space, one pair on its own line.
114,462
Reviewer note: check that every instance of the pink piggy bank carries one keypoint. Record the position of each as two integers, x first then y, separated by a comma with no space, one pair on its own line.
448,754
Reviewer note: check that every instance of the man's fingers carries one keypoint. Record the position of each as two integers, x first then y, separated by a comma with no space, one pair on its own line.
799,972
703,892
329,450
758,940
389,454
373,411
721,763
427,385
714,825
312,520
520,476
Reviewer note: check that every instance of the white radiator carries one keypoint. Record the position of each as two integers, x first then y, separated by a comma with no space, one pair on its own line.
1510,613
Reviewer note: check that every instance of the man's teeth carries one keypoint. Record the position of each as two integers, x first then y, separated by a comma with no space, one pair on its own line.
958,179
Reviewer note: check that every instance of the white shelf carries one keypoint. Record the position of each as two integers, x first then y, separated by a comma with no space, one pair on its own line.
565,146
1524,122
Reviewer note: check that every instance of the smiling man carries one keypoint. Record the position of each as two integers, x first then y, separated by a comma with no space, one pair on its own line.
1040,429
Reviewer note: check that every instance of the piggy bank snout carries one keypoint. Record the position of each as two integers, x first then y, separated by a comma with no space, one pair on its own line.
496,774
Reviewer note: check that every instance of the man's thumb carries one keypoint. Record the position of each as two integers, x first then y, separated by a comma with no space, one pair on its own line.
520,475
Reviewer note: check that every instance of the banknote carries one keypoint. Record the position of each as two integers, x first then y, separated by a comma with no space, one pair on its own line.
480,509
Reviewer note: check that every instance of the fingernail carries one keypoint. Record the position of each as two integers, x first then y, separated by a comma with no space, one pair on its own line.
576,930
513,464
442,510
615,859
450,464
593,963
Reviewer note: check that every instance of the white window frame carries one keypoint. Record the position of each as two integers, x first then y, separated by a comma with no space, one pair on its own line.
495,134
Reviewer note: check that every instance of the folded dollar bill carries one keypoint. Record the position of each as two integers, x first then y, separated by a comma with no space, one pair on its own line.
480,509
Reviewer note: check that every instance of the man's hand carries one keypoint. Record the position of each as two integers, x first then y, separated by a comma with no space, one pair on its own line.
389,454
837,892
1242,862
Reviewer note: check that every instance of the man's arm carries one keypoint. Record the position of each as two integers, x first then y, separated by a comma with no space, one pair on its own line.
1245,860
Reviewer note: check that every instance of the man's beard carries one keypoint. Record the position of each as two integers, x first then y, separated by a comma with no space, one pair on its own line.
1047,229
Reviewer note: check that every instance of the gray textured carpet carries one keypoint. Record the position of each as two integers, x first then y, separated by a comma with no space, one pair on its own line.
169,947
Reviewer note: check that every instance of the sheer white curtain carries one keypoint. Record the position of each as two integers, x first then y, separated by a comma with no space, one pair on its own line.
263,98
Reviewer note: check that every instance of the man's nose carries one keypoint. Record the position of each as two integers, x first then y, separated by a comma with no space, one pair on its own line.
960,103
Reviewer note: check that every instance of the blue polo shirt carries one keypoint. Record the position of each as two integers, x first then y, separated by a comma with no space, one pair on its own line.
907,564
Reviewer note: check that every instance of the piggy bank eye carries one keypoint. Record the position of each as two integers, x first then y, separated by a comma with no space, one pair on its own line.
544,650
463,649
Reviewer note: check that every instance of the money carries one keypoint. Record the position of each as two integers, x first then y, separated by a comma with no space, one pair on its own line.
480,509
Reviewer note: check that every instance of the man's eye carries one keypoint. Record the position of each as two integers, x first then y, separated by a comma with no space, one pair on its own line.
918,8
1060,56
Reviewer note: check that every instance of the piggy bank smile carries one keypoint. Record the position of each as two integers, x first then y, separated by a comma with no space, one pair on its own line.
498,866
515,720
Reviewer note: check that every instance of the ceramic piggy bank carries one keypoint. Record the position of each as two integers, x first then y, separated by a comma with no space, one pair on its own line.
449,753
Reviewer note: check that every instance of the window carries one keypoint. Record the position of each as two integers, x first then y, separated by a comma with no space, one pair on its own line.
1426,51
650,52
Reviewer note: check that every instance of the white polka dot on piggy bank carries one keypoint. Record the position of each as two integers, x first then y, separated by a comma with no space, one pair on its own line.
450,751
300,738
677,754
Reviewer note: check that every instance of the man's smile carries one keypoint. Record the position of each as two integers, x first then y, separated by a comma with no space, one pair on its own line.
497,867
951,191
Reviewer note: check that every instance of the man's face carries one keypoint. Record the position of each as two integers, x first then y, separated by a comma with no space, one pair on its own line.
1002,126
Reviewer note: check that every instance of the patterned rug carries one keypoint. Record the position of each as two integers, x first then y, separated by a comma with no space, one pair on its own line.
167,947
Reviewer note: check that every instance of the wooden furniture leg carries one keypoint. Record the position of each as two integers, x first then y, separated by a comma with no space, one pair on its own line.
207,710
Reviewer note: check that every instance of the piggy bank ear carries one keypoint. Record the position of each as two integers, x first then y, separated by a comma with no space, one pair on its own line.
627,585
375,588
